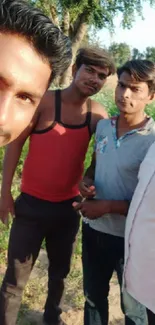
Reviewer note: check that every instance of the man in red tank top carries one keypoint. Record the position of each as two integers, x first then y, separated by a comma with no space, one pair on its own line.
59,138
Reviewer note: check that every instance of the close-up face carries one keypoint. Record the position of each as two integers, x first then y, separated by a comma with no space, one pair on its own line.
24,78
89,79
131,96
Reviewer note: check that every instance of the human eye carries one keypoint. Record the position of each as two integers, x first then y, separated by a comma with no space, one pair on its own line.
89,69
120,85
102,76
25,98
135,89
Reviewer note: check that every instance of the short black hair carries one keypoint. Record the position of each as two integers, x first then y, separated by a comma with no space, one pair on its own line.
94,55
140,70
19,17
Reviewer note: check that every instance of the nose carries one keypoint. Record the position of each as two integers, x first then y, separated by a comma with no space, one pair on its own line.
126,92
5,104
96,78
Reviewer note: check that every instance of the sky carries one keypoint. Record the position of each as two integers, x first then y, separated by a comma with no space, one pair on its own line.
141,35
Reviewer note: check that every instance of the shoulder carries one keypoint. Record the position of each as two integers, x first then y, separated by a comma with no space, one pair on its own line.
47,100
103,125
98,109
150,131
98,112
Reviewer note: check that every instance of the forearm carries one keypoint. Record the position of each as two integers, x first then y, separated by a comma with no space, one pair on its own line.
116,207
11,158
90,172
120,207
88,180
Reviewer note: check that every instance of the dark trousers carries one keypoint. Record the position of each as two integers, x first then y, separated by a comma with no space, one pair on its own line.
102,254
151,317
34,221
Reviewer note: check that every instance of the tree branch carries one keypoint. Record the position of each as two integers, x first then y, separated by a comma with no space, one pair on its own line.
80,30
54,16
66,22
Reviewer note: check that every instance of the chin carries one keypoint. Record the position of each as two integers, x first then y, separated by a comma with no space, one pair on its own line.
4,140
125,110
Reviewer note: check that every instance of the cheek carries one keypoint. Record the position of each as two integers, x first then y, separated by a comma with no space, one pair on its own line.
24,116
21,121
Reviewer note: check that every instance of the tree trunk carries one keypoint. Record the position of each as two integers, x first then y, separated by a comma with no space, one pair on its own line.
66,78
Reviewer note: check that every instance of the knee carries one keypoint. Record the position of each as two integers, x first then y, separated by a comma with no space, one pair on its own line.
95,300
17,276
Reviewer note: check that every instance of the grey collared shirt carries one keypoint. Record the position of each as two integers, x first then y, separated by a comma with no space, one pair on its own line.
117,166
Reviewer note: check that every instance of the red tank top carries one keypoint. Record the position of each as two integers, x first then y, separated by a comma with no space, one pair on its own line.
54,164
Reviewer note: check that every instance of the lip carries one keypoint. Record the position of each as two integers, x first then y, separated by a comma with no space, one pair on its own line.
91,87
121,102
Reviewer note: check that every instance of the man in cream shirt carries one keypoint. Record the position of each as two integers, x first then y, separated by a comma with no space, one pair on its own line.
139,271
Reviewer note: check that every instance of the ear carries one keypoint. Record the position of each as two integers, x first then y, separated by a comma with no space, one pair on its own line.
152,98
74,70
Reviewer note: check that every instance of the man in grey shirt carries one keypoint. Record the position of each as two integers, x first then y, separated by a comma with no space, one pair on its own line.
121,144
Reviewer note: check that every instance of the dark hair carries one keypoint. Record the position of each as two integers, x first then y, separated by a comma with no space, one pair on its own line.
18,17
95,56
140,70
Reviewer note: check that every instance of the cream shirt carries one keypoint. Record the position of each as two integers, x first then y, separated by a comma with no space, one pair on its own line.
139,270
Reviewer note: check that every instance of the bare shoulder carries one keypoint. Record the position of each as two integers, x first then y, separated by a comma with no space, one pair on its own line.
99,109
98,113
47,100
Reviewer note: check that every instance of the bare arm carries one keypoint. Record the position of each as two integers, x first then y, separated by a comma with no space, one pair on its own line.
94,209
98,113
120,207
90,172
11,158
86,187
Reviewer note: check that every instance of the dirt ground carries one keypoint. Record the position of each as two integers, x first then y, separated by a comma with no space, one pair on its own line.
35,295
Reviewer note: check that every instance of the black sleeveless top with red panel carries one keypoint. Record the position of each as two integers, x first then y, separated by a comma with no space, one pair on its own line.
54,164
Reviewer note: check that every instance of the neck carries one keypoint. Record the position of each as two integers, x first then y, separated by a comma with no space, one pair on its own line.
73,96
132,120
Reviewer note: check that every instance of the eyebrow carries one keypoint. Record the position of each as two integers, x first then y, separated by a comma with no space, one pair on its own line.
100,73
27,93
30,94
129,85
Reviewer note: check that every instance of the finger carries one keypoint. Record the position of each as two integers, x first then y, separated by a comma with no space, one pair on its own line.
92,188
90,195
76,205
5,220
86,188
86,193
83,211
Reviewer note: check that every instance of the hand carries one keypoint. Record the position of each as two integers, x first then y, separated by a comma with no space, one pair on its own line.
87,191
6,207
92,209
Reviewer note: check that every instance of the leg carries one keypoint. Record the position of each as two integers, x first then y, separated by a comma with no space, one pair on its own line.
98,266
135,313
119,269
134,310
24,245
59,247
151,317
